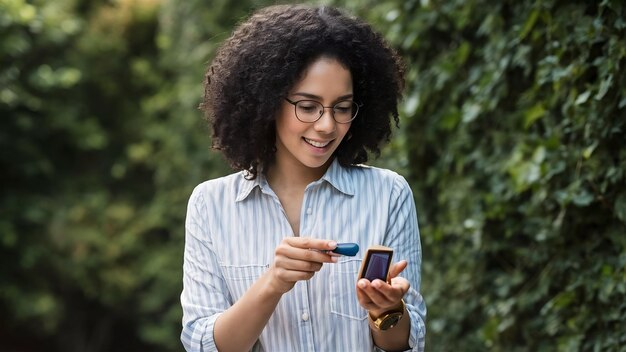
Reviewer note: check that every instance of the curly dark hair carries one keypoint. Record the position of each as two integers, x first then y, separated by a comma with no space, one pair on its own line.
256,67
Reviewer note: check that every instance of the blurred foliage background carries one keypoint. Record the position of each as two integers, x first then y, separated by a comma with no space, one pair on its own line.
512,137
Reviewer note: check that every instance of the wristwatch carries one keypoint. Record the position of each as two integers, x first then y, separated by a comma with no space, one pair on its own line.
389,319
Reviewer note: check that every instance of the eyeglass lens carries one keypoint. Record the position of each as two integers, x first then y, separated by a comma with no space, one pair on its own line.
311,111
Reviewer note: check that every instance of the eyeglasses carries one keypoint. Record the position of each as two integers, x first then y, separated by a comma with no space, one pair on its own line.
310,110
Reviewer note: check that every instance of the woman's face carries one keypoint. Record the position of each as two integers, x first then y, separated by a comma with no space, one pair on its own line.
311,145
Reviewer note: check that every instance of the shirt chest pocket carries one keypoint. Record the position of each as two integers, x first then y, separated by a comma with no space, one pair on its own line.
239,278
343,301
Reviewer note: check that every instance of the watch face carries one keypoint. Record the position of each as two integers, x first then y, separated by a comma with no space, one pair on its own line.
390,321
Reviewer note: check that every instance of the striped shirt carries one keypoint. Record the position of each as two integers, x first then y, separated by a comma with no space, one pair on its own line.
233,226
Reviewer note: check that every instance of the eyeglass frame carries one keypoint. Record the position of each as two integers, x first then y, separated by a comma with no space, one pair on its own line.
295,107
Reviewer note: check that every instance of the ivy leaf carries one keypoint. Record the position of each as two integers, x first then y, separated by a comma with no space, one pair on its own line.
604,87
582,98
583,198
620,207
533,114
529,24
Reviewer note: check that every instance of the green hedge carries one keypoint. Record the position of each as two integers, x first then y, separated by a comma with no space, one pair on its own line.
516,136
101,144
512,138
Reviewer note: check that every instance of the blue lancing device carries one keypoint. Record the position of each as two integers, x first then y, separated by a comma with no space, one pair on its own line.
349,249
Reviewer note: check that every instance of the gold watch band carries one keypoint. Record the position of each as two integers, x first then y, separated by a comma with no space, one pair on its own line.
390,318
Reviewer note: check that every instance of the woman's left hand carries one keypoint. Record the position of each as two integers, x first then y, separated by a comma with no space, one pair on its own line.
379,296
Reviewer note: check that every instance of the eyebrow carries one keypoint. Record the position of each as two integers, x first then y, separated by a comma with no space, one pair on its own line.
316,97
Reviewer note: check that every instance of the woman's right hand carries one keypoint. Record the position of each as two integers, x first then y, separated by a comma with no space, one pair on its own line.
298,258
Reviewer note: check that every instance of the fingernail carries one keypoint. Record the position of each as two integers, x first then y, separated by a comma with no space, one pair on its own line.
362,284
332,244
334,259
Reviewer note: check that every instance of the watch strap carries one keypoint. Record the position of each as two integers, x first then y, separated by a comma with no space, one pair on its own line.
390,318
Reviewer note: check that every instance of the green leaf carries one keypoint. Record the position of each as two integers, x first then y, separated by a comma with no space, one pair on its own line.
582,98
470,112
533,114
529,24
619,207
604,87
583,198
589,150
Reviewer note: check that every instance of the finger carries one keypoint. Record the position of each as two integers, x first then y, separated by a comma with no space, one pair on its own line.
374,294
379,296
297,265
390,294
360,291
285,250
292,276
401,283
383,293
361,294
394,291
397,268
310,243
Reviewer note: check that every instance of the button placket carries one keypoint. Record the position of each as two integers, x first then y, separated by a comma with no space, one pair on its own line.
305,214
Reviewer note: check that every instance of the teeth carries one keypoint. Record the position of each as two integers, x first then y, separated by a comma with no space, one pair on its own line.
317,144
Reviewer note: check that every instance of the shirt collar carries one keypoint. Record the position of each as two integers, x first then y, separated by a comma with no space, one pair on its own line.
336,175
339,177
246,185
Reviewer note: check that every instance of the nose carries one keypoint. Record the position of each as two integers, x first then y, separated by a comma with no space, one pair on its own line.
326,123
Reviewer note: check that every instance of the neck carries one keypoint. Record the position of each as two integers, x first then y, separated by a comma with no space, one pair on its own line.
287,176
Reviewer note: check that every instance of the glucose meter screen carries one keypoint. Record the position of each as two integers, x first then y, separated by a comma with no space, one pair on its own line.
377,266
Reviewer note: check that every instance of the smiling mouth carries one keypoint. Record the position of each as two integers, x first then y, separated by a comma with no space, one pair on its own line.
316,144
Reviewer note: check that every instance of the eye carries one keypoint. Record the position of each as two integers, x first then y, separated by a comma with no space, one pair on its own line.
308,106
344,107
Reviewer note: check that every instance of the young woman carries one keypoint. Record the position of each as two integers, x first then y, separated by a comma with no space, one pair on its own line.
297,97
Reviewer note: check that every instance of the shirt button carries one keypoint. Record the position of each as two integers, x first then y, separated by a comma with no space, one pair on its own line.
305,316
309,211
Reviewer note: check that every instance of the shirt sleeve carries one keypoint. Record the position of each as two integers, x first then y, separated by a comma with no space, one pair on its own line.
404,237
205,294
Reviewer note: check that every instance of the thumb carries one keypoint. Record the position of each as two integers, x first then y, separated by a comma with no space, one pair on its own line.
397,268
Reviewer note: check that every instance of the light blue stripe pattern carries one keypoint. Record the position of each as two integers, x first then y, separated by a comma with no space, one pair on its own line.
233,226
